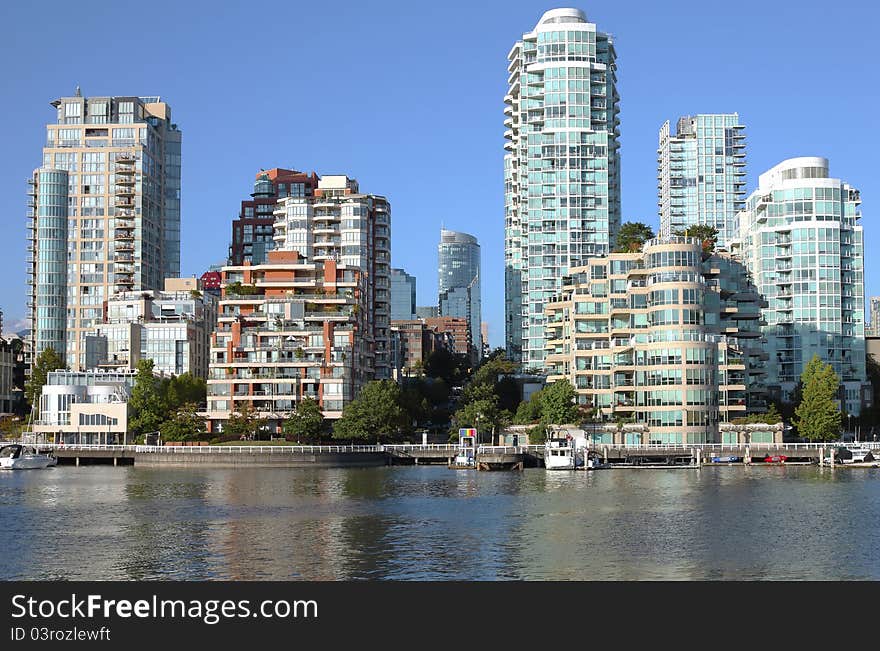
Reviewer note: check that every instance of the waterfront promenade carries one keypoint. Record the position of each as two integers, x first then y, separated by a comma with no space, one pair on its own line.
341,456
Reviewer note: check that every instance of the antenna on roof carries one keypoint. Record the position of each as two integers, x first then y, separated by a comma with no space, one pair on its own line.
78,92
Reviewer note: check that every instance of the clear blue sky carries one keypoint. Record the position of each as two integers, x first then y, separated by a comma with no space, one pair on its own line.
407,98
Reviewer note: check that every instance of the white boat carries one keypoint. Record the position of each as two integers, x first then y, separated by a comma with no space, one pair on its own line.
21,457
853,454
561,454
466,457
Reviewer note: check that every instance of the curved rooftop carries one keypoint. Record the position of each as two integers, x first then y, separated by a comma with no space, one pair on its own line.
563,15
455,237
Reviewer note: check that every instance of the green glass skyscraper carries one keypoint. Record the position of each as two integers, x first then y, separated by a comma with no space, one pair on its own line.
701,174
561,169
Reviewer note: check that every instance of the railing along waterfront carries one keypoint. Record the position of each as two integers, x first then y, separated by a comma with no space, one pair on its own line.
215,449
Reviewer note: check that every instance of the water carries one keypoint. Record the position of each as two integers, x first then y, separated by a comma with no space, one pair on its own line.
794,522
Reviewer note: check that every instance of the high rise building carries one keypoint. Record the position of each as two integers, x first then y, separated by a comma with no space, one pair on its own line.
104,214
701,174
561,169
426,311
668,337
802,242
253,231
313,319
459,283
403,295
874,301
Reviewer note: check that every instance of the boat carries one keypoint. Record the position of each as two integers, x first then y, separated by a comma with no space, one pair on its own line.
561,454
775,458
726,459
857,454
466,456
21,457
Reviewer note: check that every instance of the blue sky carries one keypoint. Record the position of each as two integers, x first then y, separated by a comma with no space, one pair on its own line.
407,98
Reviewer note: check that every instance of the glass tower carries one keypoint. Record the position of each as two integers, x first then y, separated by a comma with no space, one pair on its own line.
701,174
459,283
561,169
802,243
403,295
118,217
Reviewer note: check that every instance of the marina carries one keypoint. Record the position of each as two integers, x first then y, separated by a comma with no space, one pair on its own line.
420,522
467,455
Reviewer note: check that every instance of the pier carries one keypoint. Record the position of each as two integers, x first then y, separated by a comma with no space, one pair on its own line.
488,457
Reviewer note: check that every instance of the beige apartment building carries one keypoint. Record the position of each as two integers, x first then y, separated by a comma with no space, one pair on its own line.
104,214
668,338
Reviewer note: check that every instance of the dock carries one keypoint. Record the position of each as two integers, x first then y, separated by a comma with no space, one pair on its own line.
487,457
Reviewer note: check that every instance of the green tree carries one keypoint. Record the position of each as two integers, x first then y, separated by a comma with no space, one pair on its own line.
529,411
183,389
558,406
184,425
147,407
818,416
47,360
375,415
446,365
243,422
481,412
632,236
304,425
704,232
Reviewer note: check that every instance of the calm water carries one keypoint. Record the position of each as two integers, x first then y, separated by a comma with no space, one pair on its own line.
434,523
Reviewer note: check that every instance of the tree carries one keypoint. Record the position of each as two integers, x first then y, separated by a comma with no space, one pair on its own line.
147,406
184,425
632,236
304,424
183,389
448,366
529,411
48,360
482,413
375,415
818,416
243,422
558,406
704,232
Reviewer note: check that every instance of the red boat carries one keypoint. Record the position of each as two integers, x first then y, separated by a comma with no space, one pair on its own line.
776,458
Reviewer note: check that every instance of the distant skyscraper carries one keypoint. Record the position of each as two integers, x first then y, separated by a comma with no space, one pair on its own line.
875,317
561,170
701,172
802,243
104,214
426,311
403,295
253,230
459,282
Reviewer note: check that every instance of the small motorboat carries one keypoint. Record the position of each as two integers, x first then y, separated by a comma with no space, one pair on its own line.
561,454
726,459
21,457
775,458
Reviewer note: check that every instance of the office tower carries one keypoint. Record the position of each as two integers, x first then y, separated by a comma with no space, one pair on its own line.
875,317
403,295
313,319
668,337
253,231
701,174
426,311
171,327
104,214
802,242
459,284
561,169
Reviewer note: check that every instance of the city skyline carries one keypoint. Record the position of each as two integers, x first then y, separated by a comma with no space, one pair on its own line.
220,158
